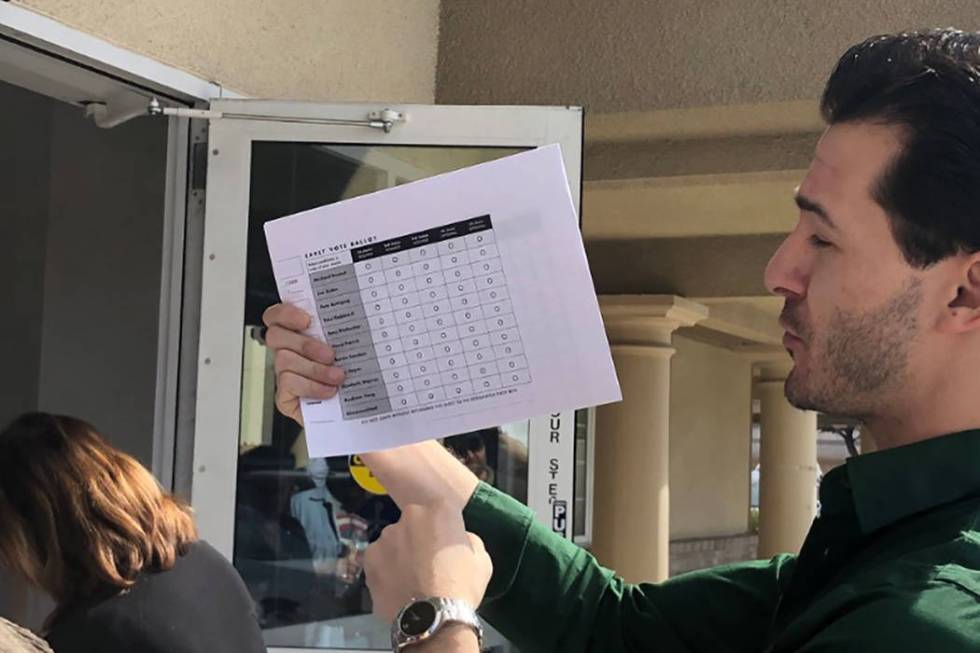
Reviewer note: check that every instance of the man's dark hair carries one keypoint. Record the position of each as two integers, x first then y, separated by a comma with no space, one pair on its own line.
928,84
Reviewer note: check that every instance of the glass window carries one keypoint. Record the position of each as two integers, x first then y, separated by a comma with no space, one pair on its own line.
301,525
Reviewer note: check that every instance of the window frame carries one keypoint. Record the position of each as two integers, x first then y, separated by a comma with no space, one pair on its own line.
217,411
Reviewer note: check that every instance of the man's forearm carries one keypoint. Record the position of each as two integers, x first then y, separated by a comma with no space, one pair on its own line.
423,474
452,639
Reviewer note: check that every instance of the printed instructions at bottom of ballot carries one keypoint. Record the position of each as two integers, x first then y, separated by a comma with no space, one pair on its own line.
454,303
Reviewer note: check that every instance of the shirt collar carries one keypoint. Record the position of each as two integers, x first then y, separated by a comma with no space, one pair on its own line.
887,486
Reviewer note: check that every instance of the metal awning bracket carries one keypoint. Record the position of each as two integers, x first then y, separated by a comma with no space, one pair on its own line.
384,120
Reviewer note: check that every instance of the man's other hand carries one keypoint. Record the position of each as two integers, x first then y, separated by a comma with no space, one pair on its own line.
428,553
304,366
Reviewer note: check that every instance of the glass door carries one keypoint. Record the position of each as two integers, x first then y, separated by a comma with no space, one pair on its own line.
295,528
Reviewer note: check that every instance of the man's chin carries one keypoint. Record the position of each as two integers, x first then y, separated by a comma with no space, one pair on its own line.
797,394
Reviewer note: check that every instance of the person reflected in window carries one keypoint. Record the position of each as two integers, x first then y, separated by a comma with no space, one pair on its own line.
494,457
471,450
316,510
89,525
271,551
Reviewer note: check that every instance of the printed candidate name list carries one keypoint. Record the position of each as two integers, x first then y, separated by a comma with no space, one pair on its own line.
454,303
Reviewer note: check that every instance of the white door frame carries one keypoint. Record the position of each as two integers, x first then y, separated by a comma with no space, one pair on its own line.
225,247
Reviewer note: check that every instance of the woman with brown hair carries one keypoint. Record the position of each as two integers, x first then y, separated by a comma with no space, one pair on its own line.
91,526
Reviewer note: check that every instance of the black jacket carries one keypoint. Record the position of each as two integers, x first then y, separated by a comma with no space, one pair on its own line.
199,606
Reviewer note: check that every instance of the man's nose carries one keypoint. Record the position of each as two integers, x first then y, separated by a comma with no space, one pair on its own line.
786,273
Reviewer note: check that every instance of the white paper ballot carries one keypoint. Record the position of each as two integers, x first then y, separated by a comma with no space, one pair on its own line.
455,303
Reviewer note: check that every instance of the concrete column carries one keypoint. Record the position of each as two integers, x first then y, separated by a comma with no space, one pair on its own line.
632,503
788,465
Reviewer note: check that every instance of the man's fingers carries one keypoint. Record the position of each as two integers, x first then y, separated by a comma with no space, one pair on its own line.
280,338
290,361
286,316
293,385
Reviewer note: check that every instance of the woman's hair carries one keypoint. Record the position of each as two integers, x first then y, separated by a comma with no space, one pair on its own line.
78,517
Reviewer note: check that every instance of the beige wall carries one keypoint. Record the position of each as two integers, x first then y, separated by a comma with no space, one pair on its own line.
326,50
710,403
628,55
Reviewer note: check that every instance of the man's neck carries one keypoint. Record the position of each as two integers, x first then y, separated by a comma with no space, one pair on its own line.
950,408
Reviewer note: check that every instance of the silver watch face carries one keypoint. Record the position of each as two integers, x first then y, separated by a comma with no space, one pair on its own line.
417,619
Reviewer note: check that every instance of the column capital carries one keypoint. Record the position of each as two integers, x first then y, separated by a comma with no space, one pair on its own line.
647,320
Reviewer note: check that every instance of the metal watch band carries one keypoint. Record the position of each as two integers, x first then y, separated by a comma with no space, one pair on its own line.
460,612
448,611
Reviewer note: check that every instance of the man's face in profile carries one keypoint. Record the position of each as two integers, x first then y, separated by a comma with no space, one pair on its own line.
852,305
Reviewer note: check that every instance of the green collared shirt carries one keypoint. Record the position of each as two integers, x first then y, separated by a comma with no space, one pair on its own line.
891,564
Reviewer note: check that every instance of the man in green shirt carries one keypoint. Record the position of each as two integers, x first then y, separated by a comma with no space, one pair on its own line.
881,281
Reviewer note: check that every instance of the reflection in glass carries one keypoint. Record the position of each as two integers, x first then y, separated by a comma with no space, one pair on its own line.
302,525
496,456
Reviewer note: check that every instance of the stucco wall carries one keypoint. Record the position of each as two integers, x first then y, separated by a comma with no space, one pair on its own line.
710,403
326,50
625,55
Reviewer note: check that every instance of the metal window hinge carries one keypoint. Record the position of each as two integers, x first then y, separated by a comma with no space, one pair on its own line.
384,119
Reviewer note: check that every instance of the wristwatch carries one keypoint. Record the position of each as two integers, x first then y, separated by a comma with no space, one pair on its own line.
421,619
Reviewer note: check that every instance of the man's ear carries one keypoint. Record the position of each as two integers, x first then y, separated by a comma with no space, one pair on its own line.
963,312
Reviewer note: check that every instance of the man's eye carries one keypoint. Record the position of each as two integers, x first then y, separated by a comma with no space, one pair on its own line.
818,242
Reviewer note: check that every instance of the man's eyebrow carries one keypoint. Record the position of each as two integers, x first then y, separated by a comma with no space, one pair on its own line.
808,205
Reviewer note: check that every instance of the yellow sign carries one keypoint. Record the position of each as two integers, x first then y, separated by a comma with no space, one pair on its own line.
363,476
